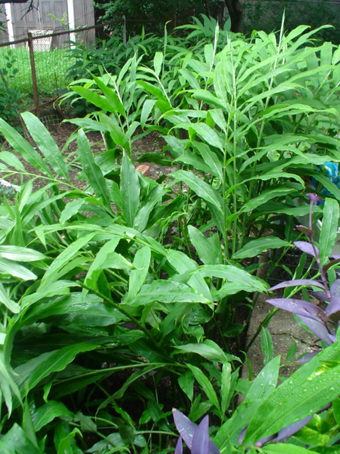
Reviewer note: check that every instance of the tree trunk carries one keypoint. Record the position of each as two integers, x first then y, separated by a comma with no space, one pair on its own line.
235,10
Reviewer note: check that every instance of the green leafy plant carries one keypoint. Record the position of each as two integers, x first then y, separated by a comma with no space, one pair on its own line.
119,297
9,96
93,302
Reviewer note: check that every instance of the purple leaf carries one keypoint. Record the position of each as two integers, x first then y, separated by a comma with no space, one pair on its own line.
306,247
293,428
242,434
307,231
319,329
200,442
264,440
299,307
295,282
335,256
333,307
179,446
212,448
335,288
187,430
321,296
306,358
185,427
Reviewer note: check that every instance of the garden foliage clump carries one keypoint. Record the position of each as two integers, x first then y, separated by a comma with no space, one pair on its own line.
121,300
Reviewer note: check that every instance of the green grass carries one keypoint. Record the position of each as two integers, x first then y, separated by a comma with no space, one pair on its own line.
51,69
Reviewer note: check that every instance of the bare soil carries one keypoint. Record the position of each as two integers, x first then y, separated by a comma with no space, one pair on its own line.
62,131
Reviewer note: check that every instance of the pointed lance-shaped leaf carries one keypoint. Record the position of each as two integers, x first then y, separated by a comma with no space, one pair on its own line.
299,307
264,440
185,427
307,247
200,442
321,296
290,430
319,329
307,357
333,309
179,446
296,282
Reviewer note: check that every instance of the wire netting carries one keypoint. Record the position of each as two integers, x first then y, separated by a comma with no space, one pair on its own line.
52,57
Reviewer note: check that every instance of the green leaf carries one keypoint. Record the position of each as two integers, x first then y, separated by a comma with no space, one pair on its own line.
7,384
225,387
11,160
267,345
48,412
255,247
88,124
94,98
183,264
210,158
75,309
267,194
262,387
71,209
15,441
329,229
209,250
21,146
111,96
106,258
6,301
166,292
234,275
205,384
31,373
153,200
196,162
285,448
147,108
207,134
138,276
209,350
20,254
186,382
46,144
92,172
308,390
158,62
130,190
63,259
8,267
155,91
201,188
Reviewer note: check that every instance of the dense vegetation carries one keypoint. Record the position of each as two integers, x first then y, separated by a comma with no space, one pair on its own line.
120,300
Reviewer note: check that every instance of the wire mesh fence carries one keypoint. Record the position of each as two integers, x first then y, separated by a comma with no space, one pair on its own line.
50,55
38,65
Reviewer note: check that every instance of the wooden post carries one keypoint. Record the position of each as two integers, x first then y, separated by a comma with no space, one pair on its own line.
124,30
34,74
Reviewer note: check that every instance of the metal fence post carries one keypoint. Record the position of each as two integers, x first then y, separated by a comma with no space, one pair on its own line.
34,74
124,30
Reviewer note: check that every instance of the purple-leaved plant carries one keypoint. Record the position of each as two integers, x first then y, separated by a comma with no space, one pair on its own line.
195,437
324,323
